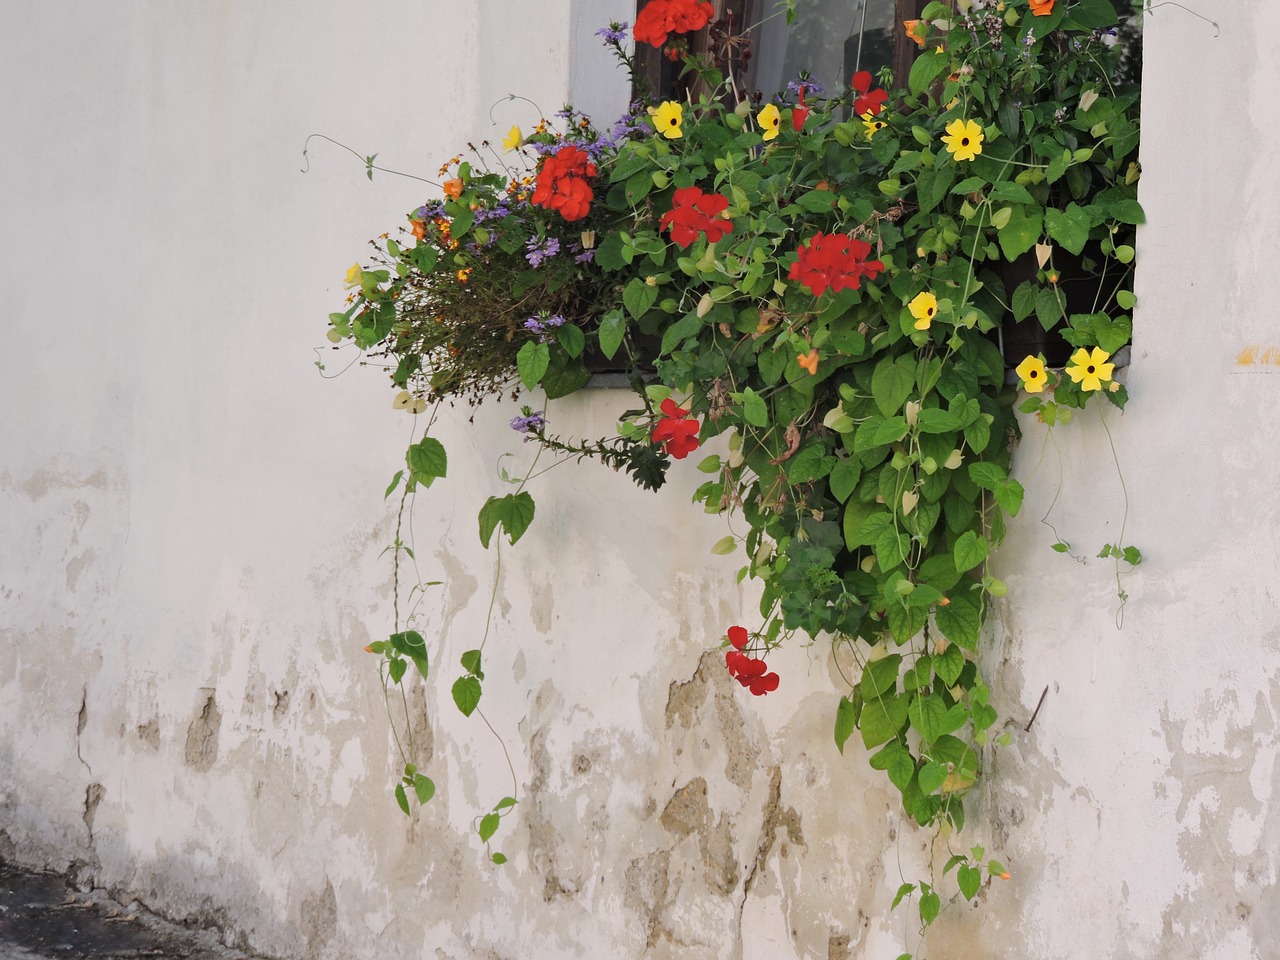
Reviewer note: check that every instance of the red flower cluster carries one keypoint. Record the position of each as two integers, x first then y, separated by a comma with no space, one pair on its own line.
746,670
562,183
870,101
800,113
695,212
662,17
677,434
833,260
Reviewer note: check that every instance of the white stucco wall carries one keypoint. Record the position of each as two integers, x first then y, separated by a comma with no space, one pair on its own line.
192,523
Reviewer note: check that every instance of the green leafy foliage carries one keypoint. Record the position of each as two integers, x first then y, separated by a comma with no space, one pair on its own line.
412,645
466,694
863,398
427,461
513,512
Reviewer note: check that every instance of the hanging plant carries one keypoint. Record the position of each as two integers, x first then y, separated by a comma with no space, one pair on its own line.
827,278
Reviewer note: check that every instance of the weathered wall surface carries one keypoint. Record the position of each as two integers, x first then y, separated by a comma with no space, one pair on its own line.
191,534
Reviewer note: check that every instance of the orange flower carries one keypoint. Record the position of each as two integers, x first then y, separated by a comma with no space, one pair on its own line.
419,229
917,35
1041,8
809,362
453,188
464,274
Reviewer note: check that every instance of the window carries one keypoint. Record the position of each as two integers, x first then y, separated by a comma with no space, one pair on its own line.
831,39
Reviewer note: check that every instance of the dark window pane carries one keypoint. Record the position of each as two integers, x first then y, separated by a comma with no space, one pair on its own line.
830,39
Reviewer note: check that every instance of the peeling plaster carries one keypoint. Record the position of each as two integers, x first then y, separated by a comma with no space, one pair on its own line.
183,531
202,734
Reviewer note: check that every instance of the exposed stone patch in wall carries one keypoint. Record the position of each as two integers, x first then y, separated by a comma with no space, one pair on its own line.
279,703
545,841
420,727
460,587
1223,773
684,697
76,566
45,481
202,733
726,827
149,733
684,702
319,922
721,868
648,885
93,795
687,810
543,608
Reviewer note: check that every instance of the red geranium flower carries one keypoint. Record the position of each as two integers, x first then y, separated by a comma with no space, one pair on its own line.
565,162
572,197
678,435
762,685
662,17
562,183
833,260
695,212
738,637
870,101
800,112
750,673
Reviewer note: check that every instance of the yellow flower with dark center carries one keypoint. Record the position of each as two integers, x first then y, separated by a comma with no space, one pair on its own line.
769,119
964,139
513,139
1032,374
872,125
1090,368
667,119
924,308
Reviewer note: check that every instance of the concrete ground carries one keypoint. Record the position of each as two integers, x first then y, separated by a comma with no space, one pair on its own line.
43,918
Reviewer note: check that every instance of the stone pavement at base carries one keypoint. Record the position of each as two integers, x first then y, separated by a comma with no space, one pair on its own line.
42,918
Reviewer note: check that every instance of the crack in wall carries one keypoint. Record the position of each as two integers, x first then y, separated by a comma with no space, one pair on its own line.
86,872
82,720
775,818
